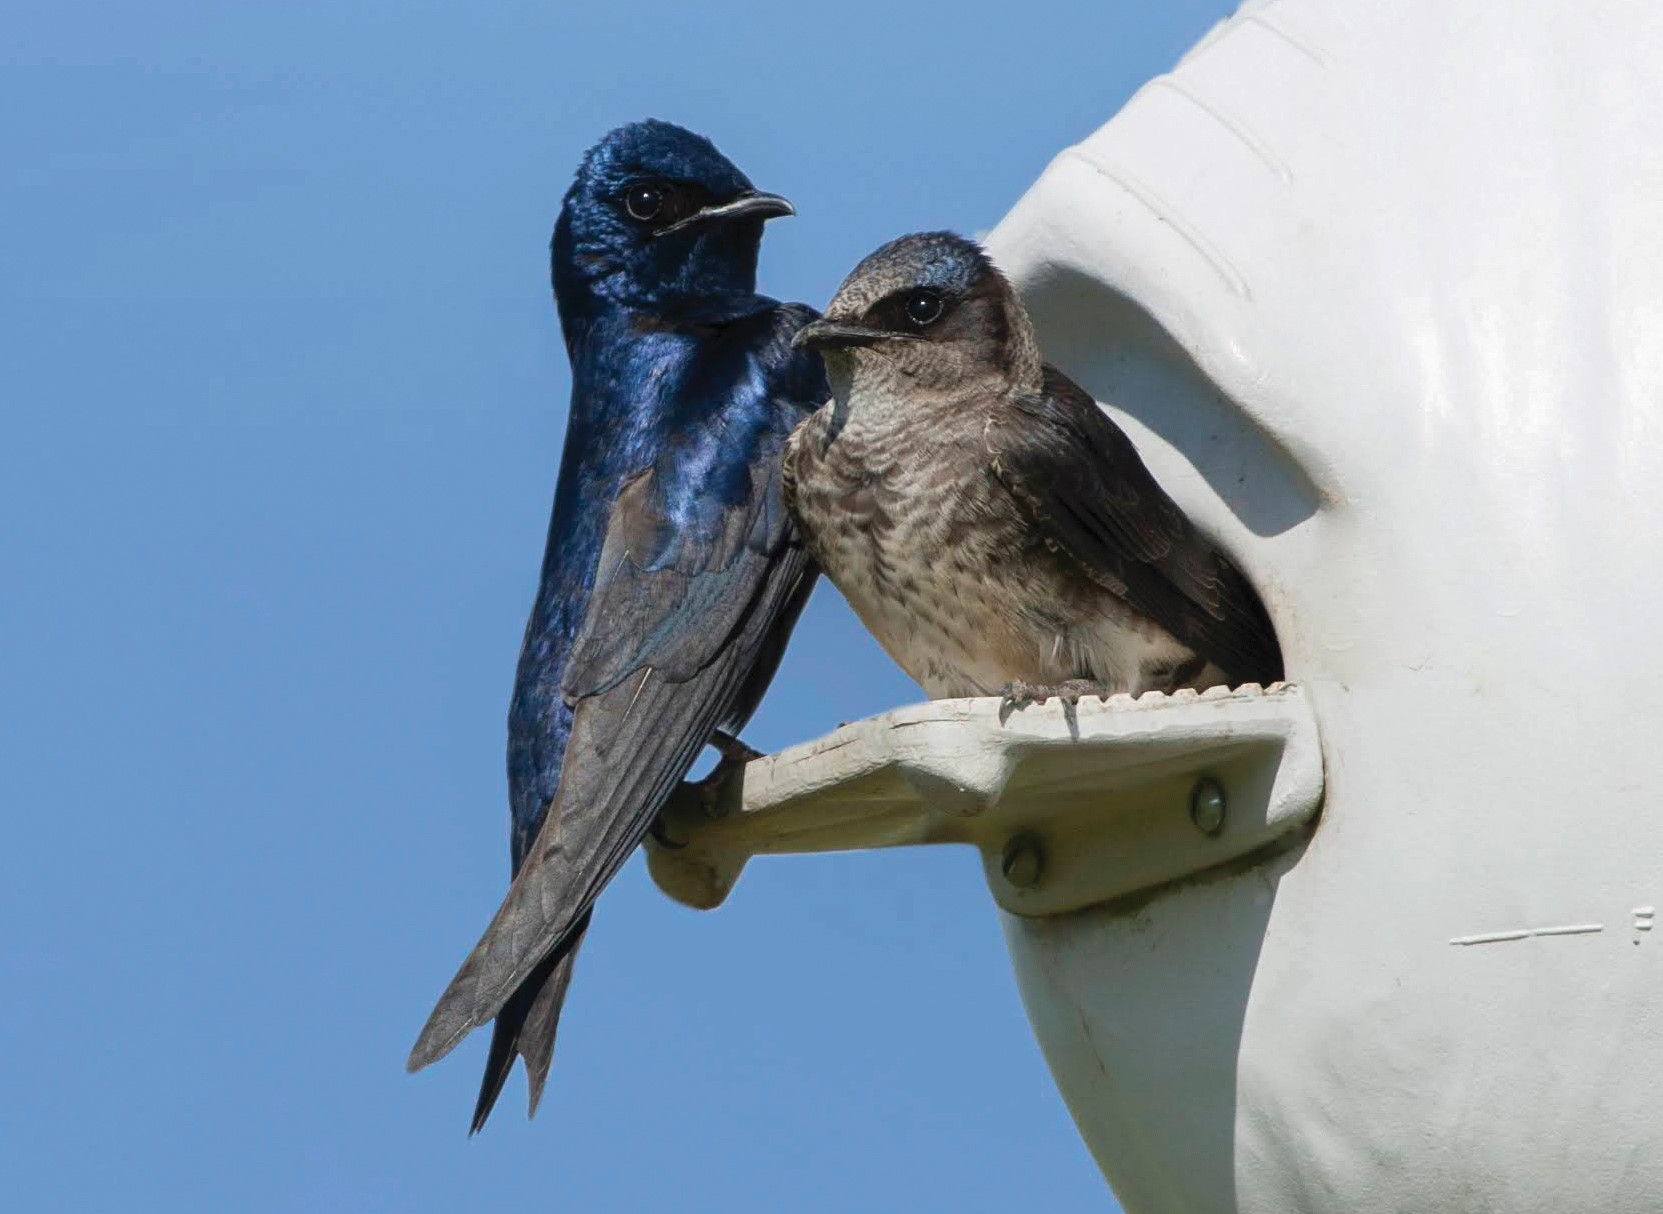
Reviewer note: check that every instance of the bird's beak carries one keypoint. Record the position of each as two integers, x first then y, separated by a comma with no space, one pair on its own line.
753,204
836,335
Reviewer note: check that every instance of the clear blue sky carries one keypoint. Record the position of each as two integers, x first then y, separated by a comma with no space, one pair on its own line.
283,397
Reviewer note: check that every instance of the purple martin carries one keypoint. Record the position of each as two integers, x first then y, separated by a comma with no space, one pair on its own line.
672,574
990,525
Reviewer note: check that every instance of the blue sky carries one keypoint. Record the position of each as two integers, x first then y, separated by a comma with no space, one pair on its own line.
283,398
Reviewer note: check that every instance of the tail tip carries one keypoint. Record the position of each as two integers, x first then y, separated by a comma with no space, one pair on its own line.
432,1045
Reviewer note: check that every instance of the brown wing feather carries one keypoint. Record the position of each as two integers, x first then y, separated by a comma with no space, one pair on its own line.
1081,481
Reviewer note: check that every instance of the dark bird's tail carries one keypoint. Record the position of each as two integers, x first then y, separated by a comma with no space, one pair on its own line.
525,1027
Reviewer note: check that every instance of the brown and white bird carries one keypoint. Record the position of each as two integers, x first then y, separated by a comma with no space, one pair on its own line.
990,525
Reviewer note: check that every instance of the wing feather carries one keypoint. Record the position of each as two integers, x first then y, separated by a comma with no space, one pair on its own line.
1080,480
682,617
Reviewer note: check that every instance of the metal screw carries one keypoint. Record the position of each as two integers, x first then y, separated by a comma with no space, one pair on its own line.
1207,806
1023,861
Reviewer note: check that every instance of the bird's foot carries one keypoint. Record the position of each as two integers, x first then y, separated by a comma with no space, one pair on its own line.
734,755
707,790
732,749
1019,693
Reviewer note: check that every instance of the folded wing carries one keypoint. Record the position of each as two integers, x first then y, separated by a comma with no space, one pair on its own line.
1080,481
682,613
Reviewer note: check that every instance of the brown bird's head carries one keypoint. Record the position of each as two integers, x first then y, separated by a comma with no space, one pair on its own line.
926,312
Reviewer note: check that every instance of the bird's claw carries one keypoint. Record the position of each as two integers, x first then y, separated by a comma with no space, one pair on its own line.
734,754
1019,693
732,749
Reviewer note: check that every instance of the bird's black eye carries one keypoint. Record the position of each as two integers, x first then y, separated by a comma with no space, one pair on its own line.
644,200
922,307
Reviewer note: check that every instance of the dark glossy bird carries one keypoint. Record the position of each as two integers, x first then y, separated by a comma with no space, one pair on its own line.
990,525
673,572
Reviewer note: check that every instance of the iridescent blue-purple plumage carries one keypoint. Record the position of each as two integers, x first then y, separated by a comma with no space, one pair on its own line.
672,573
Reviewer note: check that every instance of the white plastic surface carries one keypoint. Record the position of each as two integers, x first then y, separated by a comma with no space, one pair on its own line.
1099,794
1378,289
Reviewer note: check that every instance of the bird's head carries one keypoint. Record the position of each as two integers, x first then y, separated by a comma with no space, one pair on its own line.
932,310
657,213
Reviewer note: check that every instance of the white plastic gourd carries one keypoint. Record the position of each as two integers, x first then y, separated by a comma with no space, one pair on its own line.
1378,290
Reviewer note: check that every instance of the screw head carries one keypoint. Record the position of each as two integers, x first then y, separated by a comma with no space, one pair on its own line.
1023,861
1208,806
